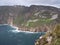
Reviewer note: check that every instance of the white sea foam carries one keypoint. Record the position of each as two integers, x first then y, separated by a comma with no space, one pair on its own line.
18,31
14,27
28,32
3,24
15,31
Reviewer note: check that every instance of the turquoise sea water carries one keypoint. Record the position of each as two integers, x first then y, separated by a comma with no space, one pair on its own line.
9,36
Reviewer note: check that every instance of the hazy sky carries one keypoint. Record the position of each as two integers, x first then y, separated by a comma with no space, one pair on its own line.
30,2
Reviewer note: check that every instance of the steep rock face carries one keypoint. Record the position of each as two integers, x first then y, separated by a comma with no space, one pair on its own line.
22,14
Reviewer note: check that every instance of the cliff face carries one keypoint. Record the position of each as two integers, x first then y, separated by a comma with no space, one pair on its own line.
32,16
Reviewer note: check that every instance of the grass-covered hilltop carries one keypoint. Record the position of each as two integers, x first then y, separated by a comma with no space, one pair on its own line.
33,18
51,37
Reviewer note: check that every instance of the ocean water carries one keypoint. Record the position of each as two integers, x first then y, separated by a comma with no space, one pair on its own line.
10,36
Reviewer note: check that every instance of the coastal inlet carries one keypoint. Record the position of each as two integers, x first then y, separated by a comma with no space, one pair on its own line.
11,36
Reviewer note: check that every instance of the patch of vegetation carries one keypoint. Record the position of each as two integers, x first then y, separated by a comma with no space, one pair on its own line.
55,34
19,20
39,22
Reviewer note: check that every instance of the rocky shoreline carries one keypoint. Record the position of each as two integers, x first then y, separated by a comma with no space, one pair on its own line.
35,29
50,38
